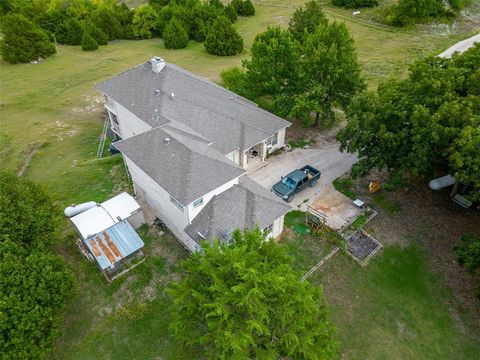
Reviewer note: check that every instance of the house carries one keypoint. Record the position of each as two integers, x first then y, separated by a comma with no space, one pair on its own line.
187,144
106,233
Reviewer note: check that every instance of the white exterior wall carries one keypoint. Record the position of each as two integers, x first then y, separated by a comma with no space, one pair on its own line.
280,141
129,124
278,227
157,197
193,212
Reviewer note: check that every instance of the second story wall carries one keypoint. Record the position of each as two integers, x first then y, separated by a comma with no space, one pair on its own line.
128,123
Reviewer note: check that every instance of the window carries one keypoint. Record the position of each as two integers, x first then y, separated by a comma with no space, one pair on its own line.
272,140
176,203
198,202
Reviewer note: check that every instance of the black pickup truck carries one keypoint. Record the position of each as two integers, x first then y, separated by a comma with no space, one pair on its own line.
296,181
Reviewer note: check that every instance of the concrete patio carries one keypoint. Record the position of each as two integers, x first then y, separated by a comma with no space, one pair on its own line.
332,163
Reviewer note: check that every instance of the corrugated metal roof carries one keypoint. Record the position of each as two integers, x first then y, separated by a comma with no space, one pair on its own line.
114,244
104,215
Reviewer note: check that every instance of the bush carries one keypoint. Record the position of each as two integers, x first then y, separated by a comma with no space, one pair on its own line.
88,42
231,13
408,12
223,39
97,34
145,22
355,3
469,252
175,36
204,15
243,7
23,41
70,32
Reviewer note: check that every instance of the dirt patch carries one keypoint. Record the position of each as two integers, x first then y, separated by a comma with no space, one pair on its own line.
319,137
432,220
93,104
28,156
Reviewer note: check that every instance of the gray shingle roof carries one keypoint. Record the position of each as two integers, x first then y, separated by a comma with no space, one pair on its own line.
186,167
227,120
243,206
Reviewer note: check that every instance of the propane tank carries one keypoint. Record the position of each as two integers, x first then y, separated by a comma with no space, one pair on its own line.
75,209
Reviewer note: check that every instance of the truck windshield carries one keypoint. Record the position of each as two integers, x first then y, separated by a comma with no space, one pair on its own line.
288,182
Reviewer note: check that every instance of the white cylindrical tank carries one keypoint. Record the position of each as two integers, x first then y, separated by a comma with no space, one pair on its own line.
77,209
441,182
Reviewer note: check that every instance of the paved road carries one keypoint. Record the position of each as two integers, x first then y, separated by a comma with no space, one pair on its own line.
332,163
461,46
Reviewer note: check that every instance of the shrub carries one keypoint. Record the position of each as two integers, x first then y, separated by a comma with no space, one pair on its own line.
408,12
88,42
69,32
175,36
23,41
223,39
469,252
355,3
231,13
104,18
97,34
204,15
145,22
243,7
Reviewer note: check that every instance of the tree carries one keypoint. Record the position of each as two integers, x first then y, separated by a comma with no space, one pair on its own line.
422,125
329,73
469,252
244,301
23,41
305,21
28,216
97,34
145,22
35,287
69,32
274,64
407,12
235,79
223,39
88,42
105,19
231,13
174,35
243,7
355,3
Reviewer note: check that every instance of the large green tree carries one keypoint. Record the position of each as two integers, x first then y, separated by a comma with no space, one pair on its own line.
424,124
145,22
329,74
244,301
174,35
223,39
22,41
28,216
34,288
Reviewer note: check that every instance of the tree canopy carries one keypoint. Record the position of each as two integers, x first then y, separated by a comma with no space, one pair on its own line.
407,12
428,123
244,301
35,284
35,287
174,35
23,41
309,69
27,214
223,39
355,3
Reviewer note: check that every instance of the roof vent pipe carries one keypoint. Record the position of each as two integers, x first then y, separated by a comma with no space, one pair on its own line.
172,95
157,64
166,140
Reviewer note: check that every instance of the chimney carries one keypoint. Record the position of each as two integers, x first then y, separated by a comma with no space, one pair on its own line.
157,64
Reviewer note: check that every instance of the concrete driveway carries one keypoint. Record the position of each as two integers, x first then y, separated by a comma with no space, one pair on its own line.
332,163
461,46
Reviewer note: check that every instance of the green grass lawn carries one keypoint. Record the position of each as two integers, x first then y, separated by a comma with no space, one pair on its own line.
53,107
395,308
